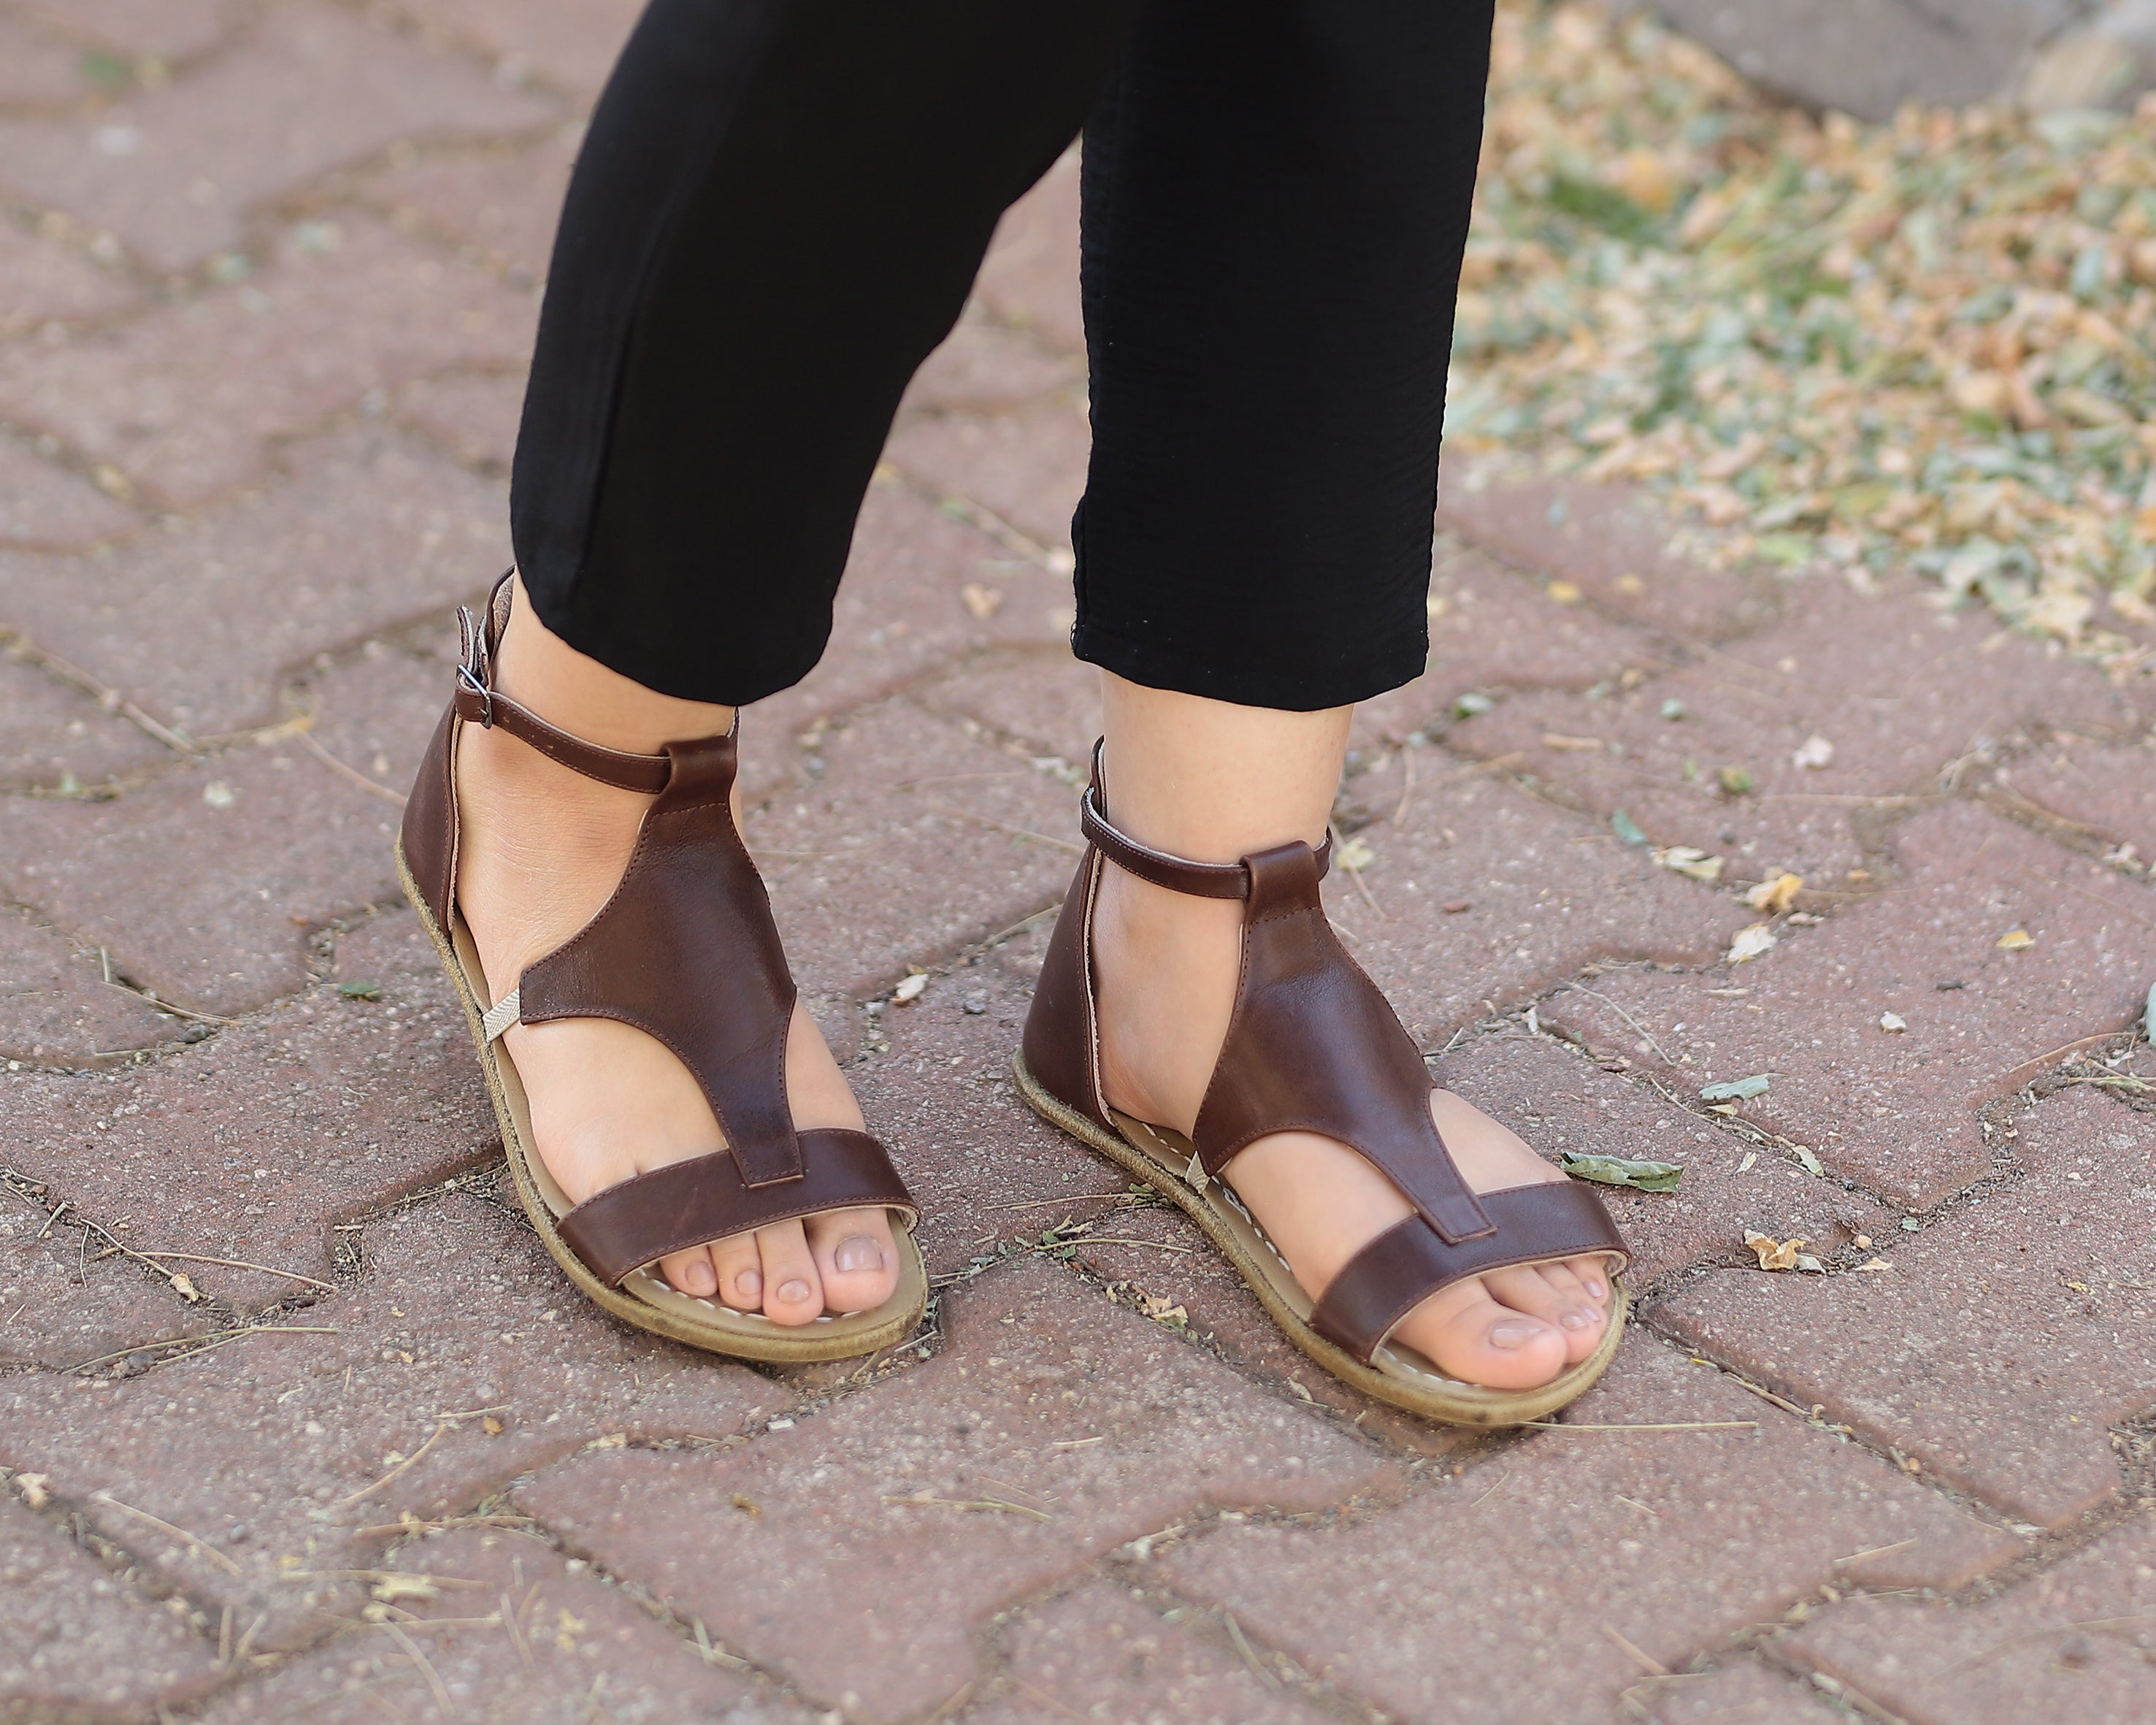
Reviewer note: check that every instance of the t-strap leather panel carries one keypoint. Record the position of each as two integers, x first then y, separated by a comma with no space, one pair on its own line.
1408,1263
691,1203
687,951
1314,1046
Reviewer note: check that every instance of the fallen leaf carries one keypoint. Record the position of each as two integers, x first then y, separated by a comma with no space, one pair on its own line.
1875,1264
1750,943
747,1506
1892,1022
492,1426
981,601
33,1488
1467,706
185,1288
360,991
1674,709
1814,752
1751,1160
1564,592
1735,780
1624,1170
1684,859
1738,1089
219,795
1773,1254
1776,893
1806,1261
1805,1155
909,990
2016,940
1356,855
1626,828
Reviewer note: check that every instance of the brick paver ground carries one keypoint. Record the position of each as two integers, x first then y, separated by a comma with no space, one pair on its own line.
297,1420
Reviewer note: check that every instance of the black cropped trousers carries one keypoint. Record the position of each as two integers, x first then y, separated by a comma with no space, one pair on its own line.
779,210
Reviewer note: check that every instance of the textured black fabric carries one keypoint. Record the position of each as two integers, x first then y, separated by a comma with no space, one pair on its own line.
778,213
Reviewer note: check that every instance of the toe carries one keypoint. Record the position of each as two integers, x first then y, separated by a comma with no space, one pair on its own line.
690,1272
856,1258
793,1291
1594,1274
740,1269
1466,1333
1553,1294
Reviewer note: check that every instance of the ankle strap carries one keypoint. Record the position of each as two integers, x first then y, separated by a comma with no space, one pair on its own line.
479,702
1178,874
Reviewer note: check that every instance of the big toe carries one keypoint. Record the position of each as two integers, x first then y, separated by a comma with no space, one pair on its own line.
1469,1334
856,1258
793,1291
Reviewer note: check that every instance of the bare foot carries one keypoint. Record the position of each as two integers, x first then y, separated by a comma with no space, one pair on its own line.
1167,967
542,848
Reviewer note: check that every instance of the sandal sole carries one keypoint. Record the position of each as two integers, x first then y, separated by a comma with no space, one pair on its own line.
1445,1400
753,1336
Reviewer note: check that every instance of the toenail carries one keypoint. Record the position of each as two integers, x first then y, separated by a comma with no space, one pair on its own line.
858,1252
1577,1320
794,1292
1596,1290
698,1278
1514,1332
749,1284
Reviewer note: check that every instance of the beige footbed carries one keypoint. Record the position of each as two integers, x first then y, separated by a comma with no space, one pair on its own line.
644,1298
1397,1374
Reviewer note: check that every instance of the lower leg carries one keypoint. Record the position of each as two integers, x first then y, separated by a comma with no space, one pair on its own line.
1214,782
542,848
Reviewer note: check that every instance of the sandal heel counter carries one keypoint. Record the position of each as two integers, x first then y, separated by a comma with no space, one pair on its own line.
429,834
1058,1041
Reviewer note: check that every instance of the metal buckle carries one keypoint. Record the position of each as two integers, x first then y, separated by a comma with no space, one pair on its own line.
468,678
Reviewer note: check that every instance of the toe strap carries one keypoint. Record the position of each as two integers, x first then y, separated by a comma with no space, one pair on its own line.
691,1203
1408,1263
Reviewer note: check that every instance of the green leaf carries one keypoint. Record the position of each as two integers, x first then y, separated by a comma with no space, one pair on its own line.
360,991
1737,781
1737,1089
1626,828
1623,1170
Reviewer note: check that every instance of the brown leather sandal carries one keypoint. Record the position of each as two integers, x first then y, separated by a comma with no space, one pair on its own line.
685,950
1313,1046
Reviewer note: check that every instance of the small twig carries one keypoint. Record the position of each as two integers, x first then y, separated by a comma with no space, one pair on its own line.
1645,1033
426,1670
1116,1239
411,1460
198,1258
1038,838
971,1503
110,698
1653,1667
1406,784
2065,1048
1493,1492
193,1345
307,742
202,1545
1249,1657
167,1006
1681,1426
1877,1551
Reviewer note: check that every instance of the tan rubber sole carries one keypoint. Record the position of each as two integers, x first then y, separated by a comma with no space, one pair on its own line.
645,1301
1402,1378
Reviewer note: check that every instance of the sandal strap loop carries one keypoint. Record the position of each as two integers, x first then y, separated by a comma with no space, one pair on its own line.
1405,1265
641,1220
479,702
1178,874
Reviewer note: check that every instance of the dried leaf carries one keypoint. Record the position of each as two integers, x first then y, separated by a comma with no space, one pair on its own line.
1683,859
1773,1254
1816,751
910,990
1738,1089
1875,1264
184,1286
35,1489
1735,780
1356,855
1751,1160
1624,1170
1806,1261
492,1426
1893,1023
1626,828
1750,943
982,602
2016,940
1805,1154
360,991
747,1506
1564,592
1776,893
